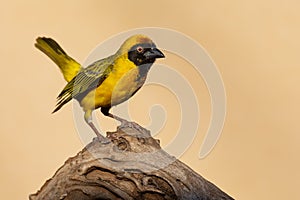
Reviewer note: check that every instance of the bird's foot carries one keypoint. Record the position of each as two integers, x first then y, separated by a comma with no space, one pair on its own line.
101,138
128,124
133,125
104,140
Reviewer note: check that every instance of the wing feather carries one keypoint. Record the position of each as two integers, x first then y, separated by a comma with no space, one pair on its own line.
86,80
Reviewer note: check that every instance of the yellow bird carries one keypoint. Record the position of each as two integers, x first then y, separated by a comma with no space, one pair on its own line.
106,82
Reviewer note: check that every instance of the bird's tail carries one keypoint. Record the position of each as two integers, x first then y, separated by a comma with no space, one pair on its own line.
68,66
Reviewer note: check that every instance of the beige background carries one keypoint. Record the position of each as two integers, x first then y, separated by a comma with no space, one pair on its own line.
255,44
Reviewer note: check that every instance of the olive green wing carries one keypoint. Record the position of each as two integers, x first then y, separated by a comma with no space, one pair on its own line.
86,80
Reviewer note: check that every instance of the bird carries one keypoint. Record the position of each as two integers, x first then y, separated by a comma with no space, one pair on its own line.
106,82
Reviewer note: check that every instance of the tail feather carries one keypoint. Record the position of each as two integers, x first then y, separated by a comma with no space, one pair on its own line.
68,66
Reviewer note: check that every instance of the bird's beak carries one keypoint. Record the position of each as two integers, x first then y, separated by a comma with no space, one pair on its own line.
153,53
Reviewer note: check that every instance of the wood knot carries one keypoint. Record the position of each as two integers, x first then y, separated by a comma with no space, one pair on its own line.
122,144
148,181
141,140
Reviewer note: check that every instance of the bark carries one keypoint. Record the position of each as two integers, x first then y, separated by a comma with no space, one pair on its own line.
131,166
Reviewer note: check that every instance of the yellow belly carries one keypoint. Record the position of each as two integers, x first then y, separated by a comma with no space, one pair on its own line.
115,89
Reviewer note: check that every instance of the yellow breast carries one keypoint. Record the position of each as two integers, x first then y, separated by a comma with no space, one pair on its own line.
116,88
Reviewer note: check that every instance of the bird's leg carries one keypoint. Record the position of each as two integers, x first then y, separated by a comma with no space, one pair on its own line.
88,119
105,111
124,122
100,137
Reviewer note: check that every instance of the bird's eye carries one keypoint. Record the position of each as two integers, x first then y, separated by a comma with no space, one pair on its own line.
140,49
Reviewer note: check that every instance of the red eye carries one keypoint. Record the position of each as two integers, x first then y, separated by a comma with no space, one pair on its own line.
140,49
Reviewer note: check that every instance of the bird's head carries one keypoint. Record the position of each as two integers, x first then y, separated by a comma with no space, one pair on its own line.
140,49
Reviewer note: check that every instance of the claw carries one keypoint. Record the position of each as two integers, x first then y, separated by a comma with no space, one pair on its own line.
101,138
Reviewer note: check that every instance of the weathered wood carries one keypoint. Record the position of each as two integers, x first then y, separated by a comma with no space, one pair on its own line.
132,166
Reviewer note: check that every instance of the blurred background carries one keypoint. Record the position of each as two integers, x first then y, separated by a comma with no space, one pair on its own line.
255,45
